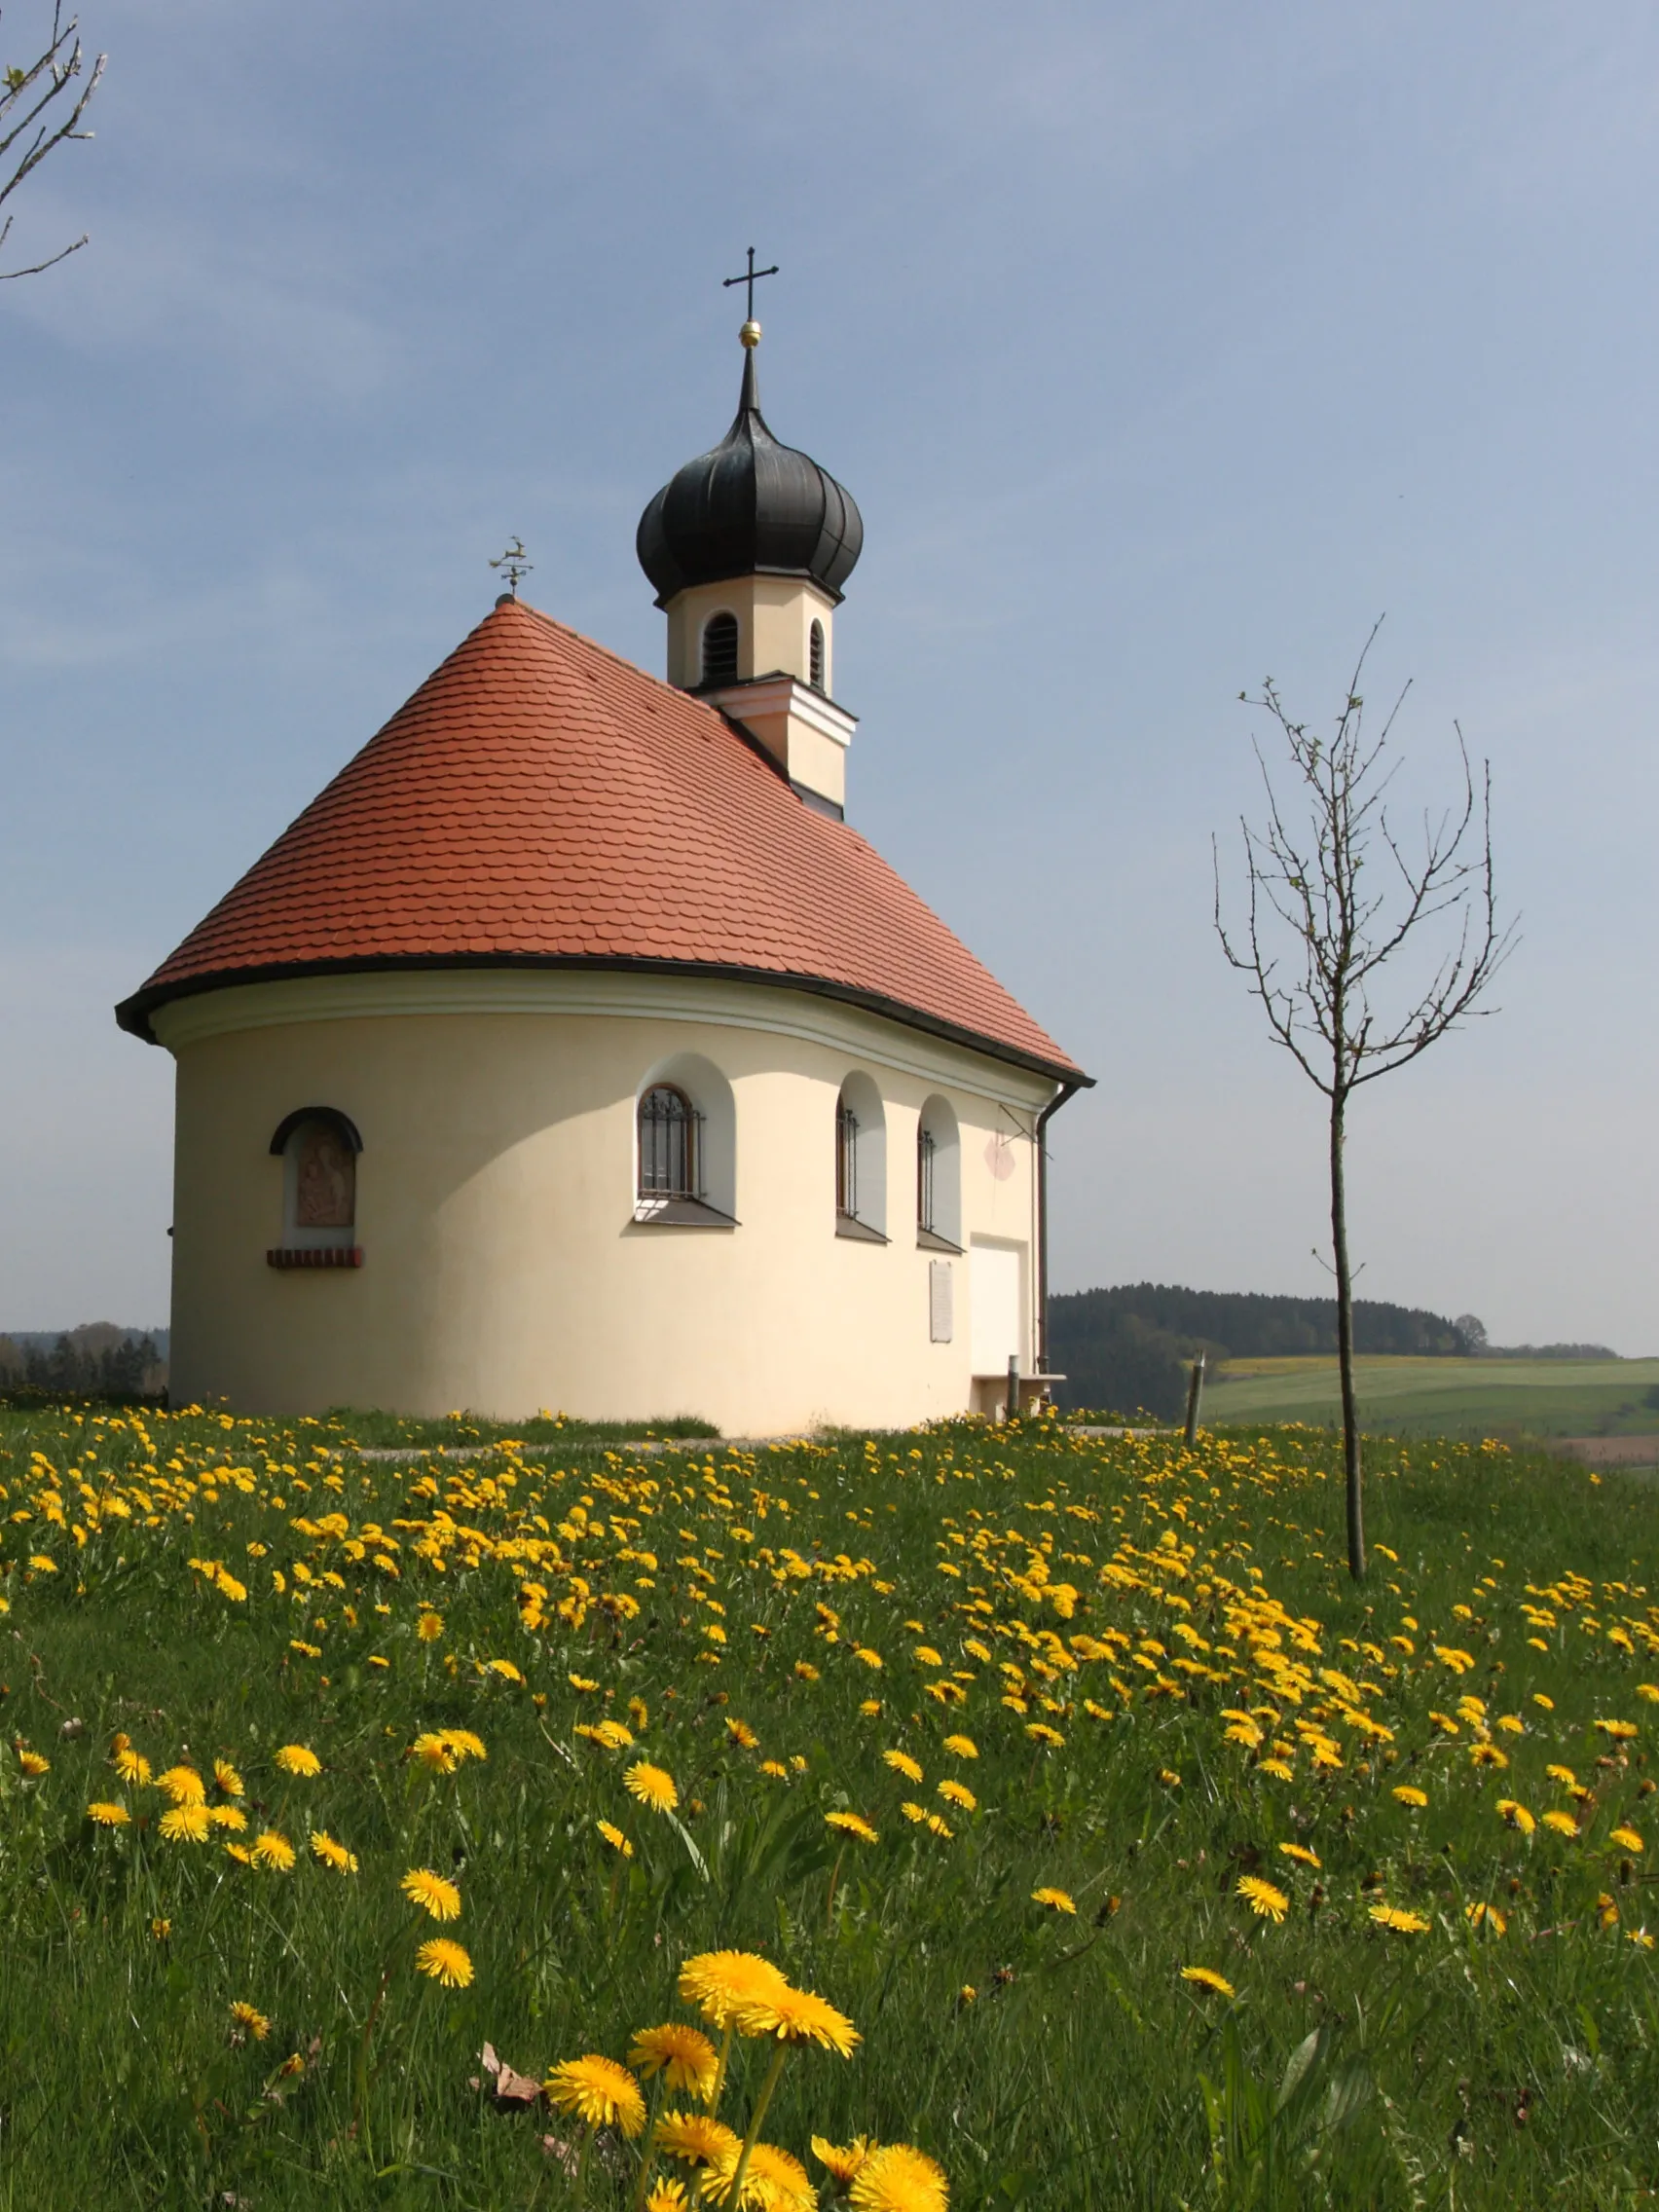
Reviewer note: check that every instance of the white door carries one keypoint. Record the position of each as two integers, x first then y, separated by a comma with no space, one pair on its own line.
993,1293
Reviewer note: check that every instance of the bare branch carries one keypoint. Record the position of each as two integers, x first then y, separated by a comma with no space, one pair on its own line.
33,121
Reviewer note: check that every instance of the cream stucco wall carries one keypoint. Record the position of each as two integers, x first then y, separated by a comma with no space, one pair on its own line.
503,1270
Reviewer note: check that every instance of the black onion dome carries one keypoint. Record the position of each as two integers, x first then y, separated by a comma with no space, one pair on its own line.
752,507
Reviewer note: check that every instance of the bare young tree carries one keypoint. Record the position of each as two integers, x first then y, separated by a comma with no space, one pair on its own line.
1320,929
41,107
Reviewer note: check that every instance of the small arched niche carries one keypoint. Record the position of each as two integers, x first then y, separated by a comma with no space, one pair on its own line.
939,1177
319,1147
719,649
860,1161
685,1146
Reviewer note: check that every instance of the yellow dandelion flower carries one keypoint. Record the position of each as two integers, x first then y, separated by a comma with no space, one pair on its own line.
896,2178
600,2092
1627,1839
463,1744
1278,1768
667,2196
1563,1775
161,1930
842,2160
1515,1816
721,1984
1408,1793
1620,1731
332,1854
611,1734
33,1763
776,1769
506,1669
871,1706
227,1778
912,1811
1057,1901
445,1962
229,1817
957,1793
696,2138
1482,1915
902,1763
427,1889
1040,1732
785,2015
250,2022
183,1785
652,1786
240,1852
131,1766
1261,1897
939,1825
682,2055
299,1758
741,1733
186,1824
273,1850
1301,1853
1487,1755
434,1753
1562,1823
615,1838
964,1747
1401,1922
108,1815
1206,1978
852,1823
774,2180
430,1627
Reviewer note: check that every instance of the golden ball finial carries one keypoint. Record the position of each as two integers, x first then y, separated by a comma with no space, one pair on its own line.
749,334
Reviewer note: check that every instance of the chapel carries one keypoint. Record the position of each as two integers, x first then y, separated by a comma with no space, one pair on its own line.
573,1051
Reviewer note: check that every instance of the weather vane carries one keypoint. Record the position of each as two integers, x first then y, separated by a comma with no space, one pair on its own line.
515,563
751,331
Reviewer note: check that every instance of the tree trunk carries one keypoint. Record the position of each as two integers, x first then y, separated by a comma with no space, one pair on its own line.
1345,1343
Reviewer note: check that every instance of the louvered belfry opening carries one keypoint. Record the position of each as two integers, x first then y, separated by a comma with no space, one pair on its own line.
815,656
720,649
668,1144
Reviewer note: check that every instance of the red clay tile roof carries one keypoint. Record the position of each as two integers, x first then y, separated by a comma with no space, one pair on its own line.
541,802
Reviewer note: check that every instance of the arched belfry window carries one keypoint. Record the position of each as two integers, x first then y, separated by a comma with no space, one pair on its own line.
815,656
846,1158
939,1178
669,1145
318,1148
720,649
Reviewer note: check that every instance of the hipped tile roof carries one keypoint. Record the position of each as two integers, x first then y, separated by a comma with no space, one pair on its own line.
539,802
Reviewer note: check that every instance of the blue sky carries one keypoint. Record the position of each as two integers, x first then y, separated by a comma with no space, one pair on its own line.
1164,348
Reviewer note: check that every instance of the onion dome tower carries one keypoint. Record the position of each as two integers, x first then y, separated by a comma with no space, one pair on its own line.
747,547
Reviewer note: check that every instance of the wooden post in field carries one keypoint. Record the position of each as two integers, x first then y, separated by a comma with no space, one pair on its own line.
1194,1398
1011,1412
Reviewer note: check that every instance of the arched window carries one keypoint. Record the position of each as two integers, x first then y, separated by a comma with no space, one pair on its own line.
815,656
860,1161
939,1178
319,1147
685,1146
720,649
669,1145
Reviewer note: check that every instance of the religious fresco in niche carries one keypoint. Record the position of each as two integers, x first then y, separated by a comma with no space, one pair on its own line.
326,1179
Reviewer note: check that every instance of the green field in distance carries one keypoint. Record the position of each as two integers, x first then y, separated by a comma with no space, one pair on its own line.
1535,1398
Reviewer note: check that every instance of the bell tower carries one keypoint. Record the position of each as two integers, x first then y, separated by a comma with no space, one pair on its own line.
747,547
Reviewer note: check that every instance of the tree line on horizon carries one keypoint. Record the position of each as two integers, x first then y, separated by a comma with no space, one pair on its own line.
99,1360
1130,1349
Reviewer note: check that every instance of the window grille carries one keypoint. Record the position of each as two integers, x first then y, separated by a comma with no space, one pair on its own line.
720,649
670,1144
815,656
925,1150
846,1159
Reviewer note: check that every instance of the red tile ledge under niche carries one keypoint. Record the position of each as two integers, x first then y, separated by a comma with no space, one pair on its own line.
324,1256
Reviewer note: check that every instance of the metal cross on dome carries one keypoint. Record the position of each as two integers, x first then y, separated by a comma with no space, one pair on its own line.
751,277
515,563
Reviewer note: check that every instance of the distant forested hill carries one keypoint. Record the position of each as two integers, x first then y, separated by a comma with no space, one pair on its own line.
1129,1348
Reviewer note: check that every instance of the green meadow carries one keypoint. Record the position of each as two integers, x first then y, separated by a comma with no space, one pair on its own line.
1149,1863
1452,1397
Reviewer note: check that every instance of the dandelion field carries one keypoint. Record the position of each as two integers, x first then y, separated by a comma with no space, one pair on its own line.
380,1831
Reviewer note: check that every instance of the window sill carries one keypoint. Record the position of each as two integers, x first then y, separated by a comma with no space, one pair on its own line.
314,1256
679,1213
858,1232
929,1240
